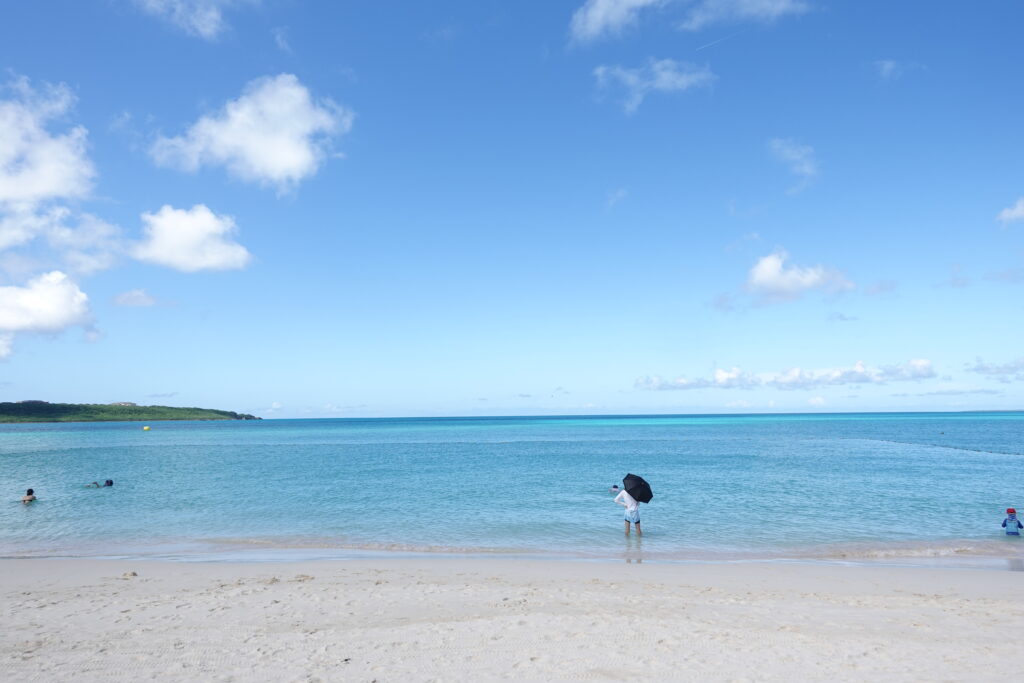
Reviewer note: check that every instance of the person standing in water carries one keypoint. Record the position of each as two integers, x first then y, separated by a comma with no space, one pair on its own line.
632,510
1011,523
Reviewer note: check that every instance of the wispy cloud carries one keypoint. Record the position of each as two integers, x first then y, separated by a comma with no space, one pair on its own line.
773,281
859,373
963,392
798,158
658,75
796,378
597,19
956,278
601,18
616,196
280,34
199,18
1012,214
707,12
1012,371
739,404
892,70
881,287
134,298
733,378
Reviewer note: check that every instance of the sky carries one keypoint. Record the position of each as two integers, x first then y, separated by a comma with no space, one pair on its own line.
370,208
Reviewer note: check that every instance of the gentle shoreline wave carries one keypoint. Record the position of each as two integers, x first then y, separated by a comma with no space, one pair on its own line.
953,554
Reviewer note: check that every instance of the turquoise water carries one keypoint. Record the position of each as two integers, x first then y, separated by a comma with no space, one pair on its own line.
828,486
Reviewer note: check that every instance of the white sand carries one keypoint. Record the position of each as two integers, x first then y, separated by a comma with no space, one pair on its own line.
455,619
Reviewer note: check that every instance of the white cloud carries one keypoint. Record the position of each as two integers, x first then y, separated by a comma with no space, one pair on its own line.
598,18
274,133
859,373
134,298
1013,371
799,158
190,240
816,401
1013,213
774,281
658,75
707,12
35,164
47,303
200,18
798,378
39,167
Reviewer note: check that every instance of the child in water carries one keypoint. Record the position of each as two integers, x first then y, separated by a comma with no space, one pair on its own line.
1011,523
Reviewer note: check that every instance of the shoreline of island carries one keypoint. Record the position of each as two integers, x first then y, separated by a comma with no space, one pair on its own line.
44,412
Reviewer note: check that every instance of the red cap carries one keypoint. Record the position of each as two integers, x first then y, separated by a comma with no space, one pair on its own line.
1011,511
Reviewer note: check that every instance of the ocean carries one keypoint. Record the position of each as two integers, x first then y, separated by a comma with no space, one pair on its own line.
902,487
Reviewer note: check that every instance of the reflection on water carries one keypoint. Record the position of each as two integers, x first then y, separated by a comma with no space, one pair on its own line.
634,549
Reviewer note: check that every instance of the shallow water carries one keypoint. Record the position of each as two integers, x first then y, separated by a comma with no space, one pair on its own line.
868,486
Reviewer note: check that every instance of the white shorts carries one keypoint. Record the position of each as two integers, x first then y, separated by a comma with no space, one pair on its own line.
633,516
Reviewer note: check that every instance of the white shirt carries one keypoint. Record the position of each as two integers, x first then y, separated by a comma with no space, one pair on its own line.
627,500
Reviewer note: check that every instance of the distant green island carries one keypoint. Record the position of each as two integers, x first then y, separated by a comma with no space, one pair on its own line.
42,411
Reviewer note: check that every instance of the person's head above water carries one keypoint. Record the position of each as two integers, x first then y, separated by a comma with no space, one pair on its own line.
30,492
108,482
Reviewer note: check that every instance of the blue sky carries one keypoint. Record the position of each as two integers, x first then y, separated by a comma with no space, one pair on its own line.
360,208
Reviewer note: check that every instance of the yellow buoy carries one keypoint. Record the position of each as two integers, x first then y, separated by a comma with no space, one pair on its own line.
146,428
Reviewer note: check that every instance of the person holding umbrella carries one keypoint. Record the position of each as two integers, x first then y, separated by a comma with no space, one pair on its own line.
634,491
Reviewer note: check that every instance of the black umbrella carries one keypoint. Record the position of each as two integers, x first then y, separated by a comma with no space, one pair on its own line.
638,488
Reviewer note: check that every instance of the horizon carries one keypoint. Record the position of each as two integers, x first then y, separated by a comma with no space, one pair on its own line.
820,413
579,208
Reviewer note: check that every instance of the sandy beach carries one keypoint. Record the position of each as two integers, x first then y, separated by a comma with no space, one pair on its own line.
398,619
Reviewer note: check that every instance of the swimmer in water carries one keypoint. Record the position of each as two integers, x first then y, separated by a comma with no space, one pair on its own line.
29,496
